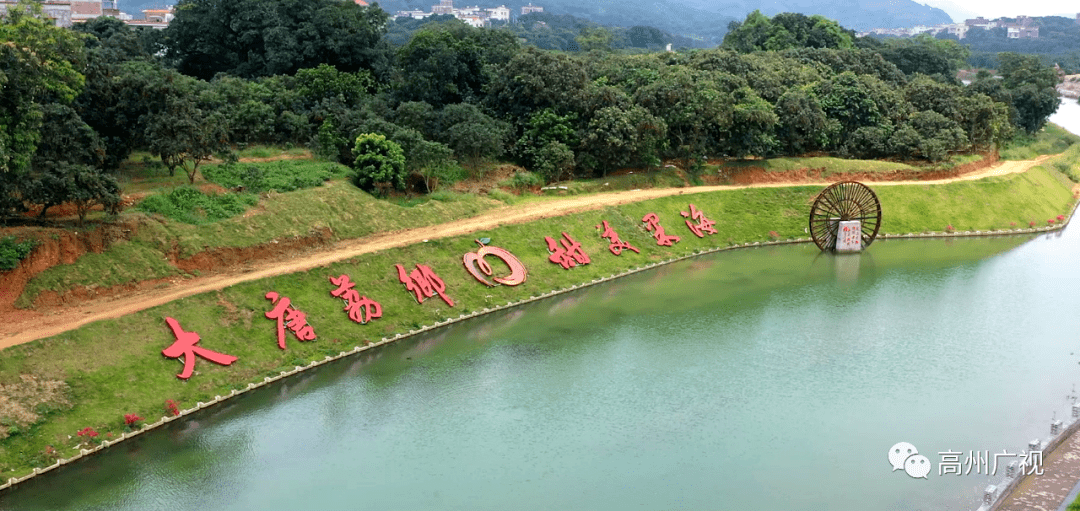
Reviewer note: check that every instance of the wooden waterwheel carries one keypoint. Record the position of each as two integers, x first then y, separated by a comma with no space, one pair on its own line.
846,200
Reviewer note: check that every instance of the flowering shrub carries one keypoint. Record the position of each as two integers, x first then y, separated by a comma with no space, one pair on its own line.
1012,224
1061,218
949,228
1050,221
130,419
774,235
87,433
172,407
1031,223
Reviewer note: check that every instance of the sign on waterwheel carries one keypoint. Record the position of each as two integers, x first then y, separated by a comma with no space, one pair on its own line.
842,202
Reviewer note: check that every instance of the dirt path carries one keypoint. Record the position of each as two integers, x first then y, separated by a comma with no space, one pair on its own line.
30,325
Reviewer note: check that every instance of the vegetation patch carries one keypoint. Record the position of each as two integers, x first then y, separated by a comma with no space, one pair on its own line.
123,262
1052,139
1068,163
347,211
1003,202
25,400
12,251
192,206
280,176
263,152
827,165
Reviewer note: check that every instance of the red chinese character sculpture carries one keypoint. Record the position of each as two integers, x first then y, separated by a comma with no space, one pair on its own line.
703,226
652,224
616,247
185,346
361,308
424,282
478,267
285,314
569,254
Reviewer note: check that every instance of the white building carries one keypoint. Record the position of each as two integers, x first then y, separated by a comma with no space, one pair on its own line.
444,7
526,9
959,30
84,10
474,21
57,10
499,13
154,18
416,15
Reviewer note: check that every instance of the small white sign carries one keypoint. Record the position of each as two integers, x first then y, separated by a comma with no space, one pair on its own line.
849,236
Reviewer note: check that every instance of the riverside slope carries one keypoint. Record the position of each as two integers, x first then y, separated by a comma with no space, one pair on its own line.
41,325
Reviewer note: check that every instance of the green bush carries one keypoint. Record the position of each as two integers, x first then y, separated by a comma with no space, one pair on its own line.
12,251
523,180
449,173
282,175
379,163
191,206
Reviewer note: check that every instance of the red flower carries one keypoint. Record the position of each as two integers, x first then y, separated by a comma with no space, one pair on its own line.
774,234
1050,221
171,407
131,418
1031,223
1012,224
1061,218
949,227
87,432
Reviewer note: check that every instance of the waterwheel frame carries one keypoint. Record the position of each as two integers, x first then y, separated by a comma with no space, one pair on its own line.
844,201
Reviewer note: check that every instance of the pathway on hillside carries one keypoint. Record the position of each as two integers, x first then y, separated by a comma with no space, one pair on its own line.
31,325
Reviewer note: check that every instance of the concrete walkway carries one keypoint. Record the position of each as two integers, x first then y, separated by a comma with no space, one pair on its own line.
1048,492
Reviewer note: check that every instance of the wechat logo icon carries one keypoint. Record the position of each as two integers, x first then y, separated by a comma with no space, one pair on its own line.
904,456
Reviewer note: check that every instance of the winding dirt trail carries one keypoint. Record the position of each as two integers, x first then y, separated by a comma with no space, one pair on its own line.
31,325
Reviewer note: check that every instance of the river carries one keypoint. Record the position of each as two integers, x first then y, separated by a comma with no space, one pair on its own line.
770,378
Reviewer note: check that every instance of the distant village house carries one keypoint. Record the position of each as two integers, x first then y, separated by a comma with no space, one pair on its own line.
1022,28
474,16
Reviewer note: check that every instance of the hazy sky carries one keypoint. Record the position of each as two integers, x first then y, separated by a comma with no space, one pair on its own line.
964,9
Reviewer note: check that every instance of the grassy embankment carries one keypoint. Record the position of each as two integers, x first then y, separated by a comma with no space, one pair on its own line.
115,367
337,205
1052,139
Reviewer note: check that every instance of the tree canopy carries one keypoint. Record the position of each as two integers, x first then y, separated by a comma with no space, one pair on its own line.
252,38
785,31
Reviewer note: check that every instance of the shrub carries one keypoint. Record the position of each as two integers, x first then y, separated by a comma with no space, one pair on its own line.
554,161
12,251
131,420
191,206
523,180
379,163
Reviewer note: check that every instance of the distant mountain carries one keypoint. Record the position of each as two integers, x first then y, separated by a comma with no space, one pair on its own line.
705,20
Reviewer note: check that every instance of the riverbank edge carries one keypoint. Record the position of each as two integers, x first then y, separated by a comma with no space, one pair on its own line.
83,453
1004,489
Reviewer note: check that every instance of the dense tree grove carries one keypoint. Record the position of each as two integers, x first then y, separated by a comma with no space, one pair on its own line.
323,73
